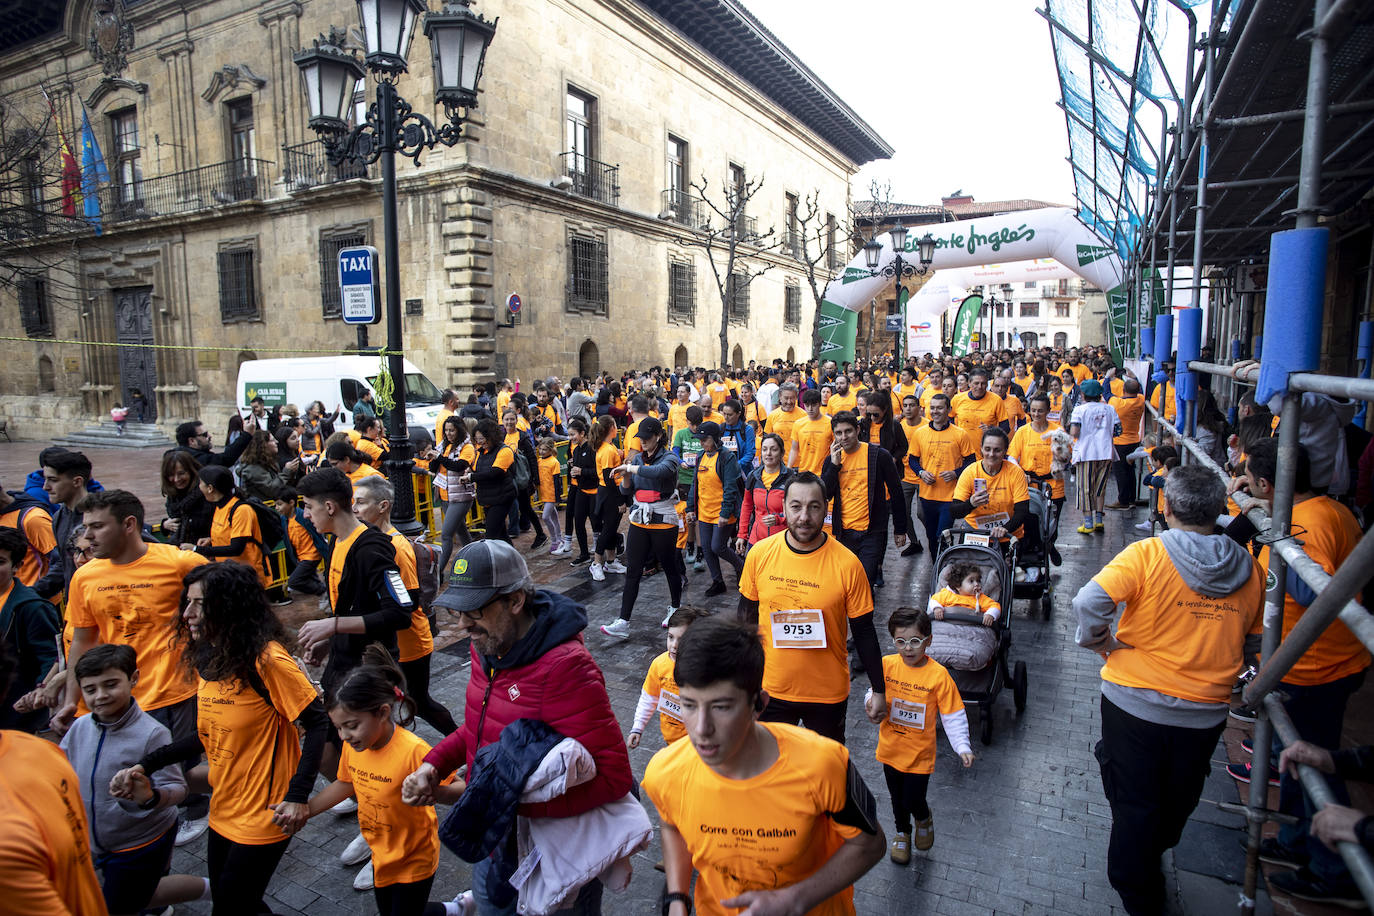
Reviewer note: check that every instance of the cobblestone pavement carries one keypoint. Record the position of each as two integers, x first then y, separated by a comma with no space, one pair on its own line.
1023,831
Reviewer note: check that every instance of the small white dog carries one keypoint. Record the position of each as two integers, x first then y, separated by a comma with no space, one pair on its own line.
1061,448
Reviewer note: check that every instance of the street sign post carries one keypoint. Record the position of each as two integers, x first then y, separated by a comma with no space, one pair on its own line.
358,285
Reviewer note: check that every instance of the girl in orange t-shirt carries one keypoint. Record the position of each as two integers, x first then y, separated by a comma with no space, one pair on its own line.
550,491
377,757
234,533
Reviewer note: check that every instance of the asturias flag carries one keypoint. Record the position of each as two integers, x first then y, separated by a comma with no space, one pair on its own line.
93,172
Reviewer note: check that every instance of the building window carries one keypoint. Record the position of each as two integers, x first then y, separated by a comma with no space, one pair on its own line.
677,168
997,308
331,241
737,298
1061,339
792,239
1061,310
33,307
586,291
47,376
126,172
243,148
682,292
832,253
578,133
1030,309
238,283
791,307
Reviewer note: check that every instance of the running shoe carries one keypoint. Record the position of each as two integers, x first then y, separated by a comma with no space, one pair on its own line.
465,903
1241,772
190,831
346,807
580,560
1305,884
365,878
616,566
1145,526
539,541
1099,527
356,852
564,548
900,851
619,629
1272,852
598,572
1085,528
1243,713
715,588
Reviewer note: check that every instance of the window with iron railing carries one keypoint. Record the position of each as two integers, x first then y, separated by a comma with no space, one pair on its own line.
126,171
586,291
682,293
33,307
737,298
1061,309
238,284
791,307
331,303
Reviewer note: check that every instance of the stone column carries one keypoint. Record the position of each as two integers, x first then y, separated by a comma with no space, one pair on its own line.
176,57
282,22
470,333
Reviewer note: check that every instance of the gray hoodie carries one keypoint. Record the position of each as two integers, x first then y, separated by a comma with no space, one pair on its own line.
97,751
1210,564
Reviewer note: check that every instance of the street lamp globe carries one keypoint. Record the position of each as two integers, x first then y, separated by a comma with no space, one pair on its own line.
331,78
926,246
873,253
458,39
898,236
387,29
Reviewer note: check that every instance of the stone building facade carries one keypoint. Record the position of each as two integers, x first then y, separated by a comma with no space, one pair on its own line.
220,222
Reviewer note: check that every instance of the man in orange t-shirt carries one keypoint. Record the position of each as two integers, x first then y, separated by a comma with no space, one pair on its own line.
1193,608
1319,685
1130,407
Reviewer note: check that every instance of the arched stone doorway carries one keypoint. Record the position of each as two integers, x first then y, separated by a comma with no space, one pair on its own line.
791,355
737,357
588,359
680,357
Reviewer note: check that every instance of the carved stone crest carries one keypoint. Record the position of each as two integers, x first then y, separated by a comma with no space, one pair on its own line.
112,36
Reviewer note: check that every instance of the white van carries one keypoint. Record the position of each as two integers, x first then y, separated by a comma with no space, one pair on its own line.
337,381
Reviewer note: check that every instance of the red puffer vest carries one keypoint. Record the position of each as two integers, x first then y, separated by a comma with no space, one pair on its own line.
759,501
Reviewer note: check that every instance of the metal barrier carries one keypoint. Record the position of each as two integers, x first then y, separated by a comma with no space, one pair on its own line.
1335,600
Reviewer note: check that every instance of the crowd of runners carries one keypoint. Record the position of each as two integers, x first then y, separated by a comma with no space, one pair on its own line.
154,694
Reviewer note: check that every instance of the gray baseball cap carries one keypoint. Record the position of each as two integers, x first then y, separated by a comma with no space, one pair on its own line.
482,571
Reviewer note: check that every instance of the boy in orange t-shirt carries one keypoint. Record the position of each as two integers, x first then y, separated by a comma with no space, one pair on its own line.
660,692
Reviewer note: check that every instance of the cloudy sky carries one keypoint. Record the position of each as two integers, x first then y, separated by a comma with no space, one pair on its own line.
984,68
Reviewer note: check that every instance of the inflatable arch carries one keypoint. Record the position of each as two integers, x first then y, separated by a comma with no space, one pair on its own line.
1022,245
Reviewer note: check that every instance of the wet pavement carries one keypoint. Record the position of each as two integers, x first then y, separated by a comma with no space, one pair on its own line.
1023,831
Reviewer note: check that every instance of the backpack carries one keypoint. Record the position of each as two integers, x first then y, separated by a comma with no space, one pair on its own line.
521,469
426,570
24,504
269,523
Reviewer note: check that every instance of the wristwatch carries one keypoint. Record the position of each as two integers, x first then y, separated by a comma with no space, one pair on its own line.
670,899
152,803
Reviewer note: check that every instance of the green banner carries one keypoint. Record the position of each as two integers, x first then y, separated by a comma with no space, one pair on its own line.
839,326
1119,320
964,323
273,394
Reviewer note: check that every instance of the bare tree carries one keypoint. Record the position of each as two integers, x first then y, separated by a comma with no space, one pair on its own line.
733,244
824,245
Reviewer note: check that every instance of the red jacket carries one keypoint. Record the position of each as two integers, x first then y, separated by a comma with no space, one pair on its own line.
549,676
760,501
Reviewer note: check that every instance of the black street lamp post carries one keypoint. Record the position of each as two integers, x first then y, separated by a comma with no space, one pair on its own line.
899,268
458,39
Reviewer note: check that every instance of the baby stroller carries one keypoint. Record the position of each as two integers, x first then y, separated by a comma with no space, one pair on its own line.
980,687
1031,573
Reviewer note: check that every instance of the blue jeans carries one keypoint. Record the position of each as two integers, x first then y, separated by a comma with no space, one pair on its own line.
715,542
586,903
1318,712
936,518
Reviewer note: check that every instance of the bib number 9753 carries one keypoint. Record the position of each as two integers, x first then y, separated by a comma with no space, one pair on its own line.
803,629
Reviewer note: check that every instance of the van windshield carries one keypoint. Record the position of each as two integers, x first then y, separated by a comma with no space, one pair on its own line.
420,391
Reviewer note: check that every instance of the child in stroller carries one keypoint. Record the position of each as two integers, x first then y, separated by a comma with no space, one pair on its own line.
956,645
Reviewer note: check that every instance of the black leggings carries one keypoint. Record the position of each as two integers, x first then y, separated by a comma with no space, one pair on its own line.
640,543
494,516
908,791
407,899
426,707
610,521
528,517
239,874
580,509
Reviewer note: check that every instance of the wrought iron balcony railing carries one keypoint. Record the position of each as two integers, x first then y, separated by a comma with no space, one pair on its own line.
591,178
684,209
305,165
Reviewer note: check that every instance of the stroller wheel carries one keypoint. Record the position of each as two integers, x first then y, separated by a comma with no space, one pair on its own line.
985,725
1018,687
1046,604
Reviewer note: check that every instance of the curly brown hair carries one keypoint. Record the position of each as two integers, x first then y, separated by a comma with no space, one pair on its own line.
257,451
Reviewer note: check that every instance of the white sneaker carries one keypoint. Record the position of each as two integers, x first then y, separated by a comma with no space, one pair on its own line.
356,852
364,881
598,572
620,629
668,616
346,807
190,831
1144,526
616,566
564,548
465,903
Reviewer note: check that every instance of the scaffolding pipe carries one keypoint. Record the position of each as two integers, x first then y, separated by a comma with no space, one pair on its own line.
1296,114
1319,790
1200,223
1314,121
1359,389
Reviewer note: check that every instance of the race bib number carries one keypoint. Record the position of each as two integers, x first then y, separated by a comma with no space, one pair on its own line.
670,705
905,712
827,519
993,520
1053,416
803,629
689,460
731,444
980,540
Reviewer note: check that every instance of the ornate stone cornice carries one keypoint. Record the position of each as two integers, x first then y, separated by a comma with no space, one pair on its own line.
113,84
231,77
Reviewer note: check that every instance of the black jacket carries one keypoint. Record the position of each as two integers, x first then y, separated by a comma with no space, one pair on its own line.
370,588
890,437
194,513
884,493
494,485
225,459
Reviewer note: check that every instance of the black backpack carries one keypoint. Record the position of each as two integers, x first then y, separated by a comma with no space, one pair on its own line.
269,523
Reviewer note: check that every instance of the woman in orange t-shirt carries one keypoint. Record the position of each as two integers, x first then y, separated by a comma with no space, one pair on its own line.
251,696
608,499
234,533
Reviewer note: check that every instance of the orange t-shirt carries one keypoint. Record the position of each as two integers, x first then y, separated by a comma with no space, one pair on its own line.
813,438
336,564
1130,411
236,519
404,839
45,856
770,831
854,488
632,438
252,748
659,684
782,423
710,491
363,470
416,640
677,417
301,541
1031,450
136,604
940,450
805,659
1006,488
1170,408
1012,412
1081,372
607,457
719,394
972,415
549,469
1328,532
916,697
1176,641
909,430
37,530
980,604
839,402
